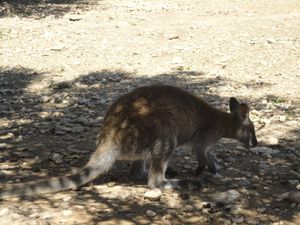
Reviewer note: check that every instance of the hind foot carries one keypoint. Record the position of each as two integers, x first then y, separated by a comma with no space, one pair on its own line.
138,170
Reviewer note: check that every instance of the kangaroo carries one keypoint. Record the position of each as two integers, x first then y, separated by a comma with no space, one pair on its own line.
147,124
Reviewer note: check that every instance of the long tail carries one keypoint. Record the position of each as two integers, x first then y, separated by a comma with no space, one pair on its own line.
99,163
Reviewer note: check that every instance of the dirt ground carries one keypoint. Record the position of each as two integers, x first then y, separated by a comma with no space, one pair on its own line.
62,63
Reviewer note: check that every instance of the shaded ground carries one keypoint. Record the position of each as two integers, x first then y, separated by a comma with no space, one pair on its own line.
59,75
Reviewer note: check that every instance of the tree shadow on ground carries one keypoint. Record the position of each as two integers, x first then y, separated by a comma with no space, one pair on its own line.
42,8
65,120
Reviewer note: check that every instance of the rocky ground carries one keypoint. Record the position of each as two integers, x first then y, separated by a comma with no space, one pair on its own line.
62,63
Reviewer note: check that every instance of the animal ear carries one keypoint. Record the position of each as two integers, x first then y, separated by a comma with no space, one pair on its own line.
233,104
243,111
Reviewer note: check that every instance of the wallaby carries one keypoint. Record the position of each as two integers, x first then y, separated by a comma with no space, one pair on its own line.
147,124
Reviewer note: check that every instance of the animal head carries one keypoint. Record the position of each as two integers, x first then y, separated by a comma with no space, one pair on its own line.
244,128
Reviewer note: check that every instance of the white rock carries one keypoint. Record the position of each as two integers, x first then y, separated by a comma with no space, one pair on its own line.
282,118
46,215
4,211
57,158
272,141
151,213
177,60
226,196
252,221
298,187
58,47
67,198
6,136
3,145
153,194
264,150
271,40
238,219
277,223
67,212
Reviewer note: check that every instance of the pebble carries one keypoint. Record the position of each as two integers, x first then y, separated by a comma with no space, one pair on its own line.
252,221
57,158
298,187
177,60
226,196
3,145
277,223
153,194
6,136
4,211
46,215
67,212
238,219
282,118
293,182
264,150
271,40
67,198
261,210
151,213
272,141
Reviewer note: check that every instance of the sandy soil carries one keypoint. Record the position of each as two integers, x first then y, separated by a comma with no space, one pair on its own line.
62,63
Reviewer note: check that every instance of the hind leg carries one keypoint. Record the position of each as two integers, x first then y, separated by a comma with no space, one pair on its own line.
156,177
138,170
158,165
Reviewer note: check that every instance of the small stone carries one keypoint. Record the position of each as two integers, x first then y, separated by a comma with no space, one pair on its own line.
252,221
177,60
45,99
282,118
57,158
298,187
46,215
272,141
238,219
151,213
58,47
67,198
153,194
261,210
277,223
226,196
271,40
111,184
3,145
67,212
293,182
34,215
236,209
4,211
264,150
6,136
195,219
167,217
